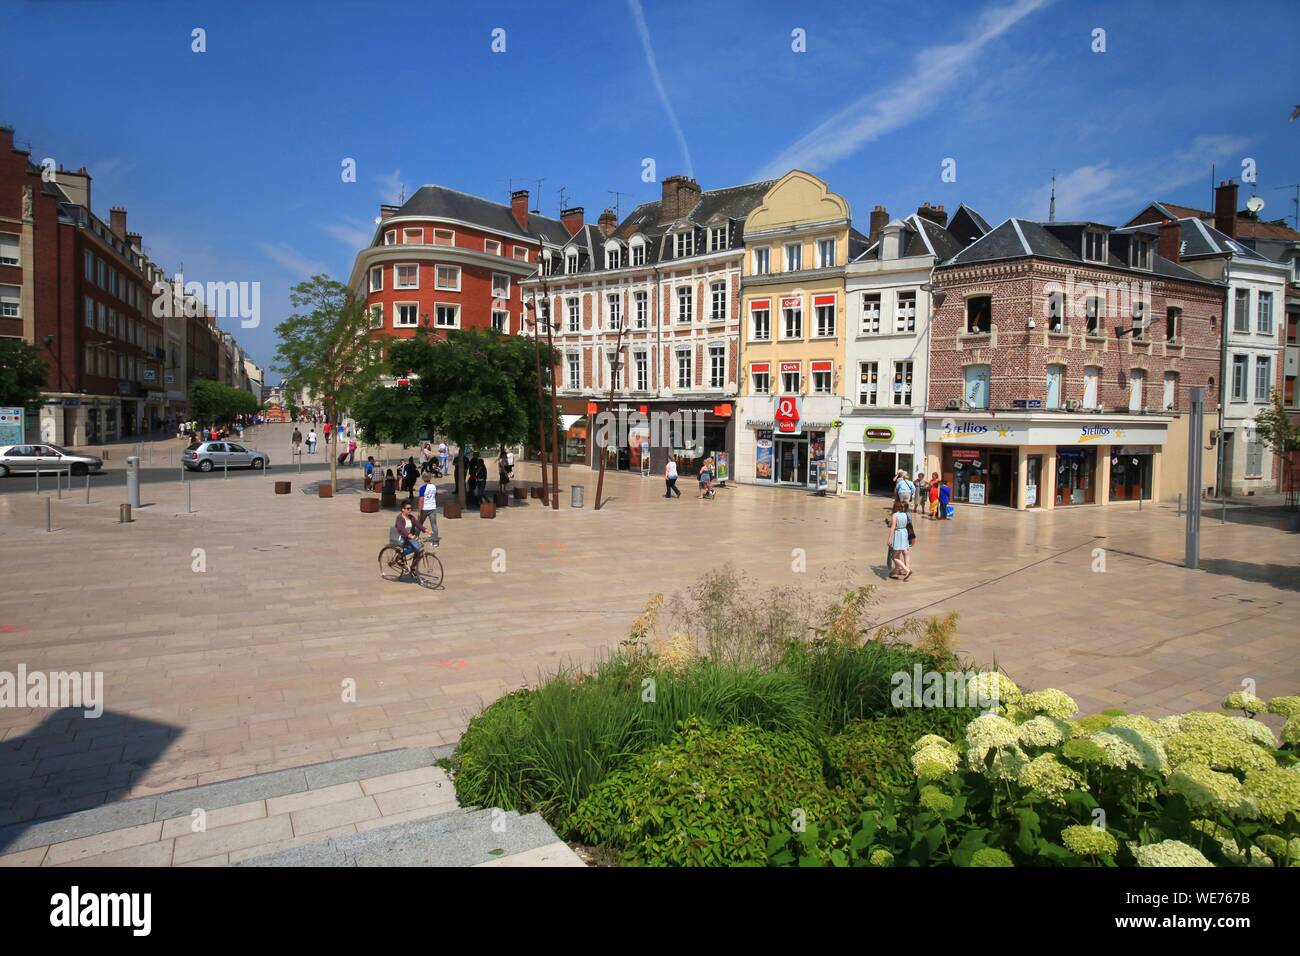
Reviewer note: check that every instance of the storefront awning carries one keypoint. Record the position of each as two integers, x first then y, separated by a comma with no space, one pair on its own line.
568,421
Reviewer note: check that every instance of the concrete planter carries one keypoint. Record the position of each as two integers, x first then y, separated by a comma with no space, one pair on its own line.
521,494
369,506
501,499
282,487
535,491
487,509
451,509
325,490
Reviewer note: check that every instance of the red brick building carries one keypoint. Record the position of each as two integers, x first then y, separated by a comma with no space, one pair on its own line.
448,260
1061,361
75,286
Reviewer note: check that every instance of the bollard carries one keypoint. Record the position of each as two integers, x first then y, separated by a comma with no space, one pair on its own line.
38,479
58,483
88,487
47,514
1223,518
1180,505
300,463
189,499
576,495
133,480
225,467
124,514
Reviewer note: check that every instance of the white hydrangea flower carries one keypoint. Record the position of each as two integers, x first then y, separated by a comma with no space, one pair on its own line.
1042,731
1170,853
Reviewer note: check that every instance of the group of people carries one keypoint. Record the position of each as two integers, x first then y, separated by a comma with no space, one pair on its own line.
913,496
708,470
198,434
347,443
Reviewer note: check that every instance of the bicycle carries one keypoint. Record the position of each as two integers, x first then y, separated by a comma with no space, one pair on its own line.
426,569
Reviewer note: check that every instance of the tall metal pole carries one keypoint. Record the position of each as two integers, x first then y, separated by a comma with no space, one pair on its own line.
555,421
541,408
614,367
1195,436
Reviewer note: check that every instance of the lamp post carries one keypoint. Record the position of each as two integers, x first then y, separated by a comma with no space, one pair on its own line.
541,408
1195,431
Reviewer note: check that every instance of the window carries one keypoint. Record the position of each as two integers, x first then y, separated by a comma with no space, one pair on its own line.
102,321
1141,318
824,307
88,266
492,247
574,378
570,263
543,313
640,310
1092,306
614,310
390,237
575,316
406,276
905,319
717,366
825,253
1091,376
1137,380
871,313
446,316
1170,399
762,261
9,302
717,238
760,321
546,263
868,375
88,356
444,237
761,379
683,369
406,315
8,249
638,253
685,304
377,279
1140,252
902,383
1055,377
1056,311
500,320
415,237
500,286
520,253
1094,246
979,313
447,278
1240,371
1263,377
718,301
791,378
376,316
1173,323
1254,458
99,279
792,318
1241,311
613,258
683,244
1264,315
89,304
822,378
641,369
794,257
977,386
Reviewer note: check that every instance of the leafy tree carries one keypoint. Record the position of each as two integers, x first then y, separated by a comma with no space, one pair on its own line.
1276,429
326,347
23,373
214,400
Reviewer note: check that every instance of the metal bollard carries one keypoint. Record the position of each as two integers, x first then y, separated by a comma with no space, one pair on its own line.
225,468
87,487
58,481
576,495
189,499
47,515
124,514
1180,505
38,479
1223,517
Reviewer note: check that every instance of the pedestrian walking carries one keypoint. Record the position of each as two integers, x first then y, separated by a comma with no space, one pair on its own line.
311,442
904,490
352,449
370,473
503,469
670,479
934,495
480,478
429,506
922,493
945,495
706,477
901,536
409,475
442,458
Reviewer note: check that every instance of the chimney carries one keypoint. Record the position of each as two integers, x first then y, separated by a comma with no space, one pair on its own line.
387,212
572,219
935,214
607,223
117,221
891,241
1225,208
680,196
879,216
519,207
7,137
136,240
1171,240
75,185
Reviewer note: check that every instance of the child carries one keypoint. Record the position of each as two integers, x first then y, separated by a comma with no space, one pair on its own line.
429,506
934,495
945,495
370,473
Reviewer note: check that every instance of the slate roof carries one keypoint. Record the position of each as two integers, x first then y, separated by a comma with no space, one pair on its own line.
937,240
1199,239
439,202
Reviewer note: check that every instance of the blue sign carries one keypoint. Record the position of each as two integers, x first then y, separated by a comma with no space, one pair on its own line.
1026,403
11,426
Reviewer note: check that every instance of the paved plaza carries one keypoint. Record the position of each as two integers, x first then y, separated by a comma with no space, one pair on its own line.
236,658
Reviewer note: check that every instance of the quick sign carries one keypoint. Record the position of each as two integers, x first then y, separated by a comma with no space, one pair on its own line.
787,415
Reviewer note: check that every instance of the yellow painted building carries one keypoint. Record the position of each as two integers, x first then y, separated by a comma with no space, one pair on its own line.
797,243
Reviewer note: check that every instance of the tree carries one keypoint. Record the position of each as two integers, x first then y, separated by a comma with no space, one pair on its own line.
23,373
213,400
1275,428
326,348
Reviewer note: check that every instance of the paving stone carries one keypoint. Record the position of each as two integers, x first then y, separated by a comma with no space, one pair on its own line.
558,853
101,843
294,802
198,846
332,815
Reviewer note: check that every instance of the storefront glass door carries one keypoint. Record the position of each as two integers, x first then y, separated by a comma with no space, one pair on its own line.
853,481
1075,470
791,462
1033,480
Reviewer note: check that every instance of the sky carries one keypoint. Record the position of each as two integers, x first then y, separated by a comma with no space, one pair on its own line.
230,161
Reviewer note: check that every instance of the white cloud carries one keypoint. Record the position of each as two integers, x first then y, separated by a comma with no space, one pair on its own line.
291,260
392,187
934,70
639,16
353,233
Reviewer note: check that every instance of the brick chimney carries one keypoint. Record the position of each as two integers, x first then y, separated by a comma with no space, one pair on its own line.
933,213
135,239
387,212
117,221
572,219
680,196
879,217
7,137
519,207
1225,208
607,223
1171,240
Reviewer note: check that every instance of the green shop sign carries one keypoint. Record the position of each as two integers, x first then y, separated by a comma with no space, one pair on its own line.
881,434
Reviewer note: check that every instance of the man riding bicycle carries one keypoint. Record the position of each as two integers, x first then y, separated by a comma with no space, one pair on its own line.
409,528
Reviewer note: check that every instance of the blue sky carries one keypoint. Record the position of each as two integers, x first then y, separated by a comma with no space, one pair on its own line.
229,161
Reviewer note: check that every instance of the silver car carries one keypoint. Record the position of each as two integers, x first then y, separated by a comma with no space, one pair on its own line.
223,454
47,459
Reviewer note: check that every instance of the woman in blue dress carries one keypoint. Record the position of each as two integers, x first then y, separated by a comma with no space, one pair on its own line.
899,539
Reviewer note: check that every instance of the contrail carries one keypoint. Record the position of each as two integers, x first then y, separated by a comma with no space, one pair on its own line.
641,28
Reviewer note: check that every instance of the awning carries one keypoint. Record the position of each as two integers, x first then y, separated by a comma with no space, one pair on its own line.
567,421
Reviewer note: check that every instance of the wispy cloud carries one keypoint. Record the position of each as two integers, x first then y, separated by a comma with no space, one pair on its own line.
291,260
391,186
353,233
639,17
934,71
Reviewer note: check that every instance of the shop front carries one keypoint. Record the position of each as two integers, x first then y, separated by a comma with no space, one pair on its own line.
873,451
795,452
640,438
1131,469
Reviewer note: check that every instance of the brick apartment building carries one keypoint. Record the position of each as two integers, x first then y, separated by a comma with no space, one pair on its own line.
1060,364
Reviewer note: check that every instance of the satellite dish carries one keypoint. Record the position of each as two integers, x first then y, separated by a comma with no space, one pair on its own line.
1255,204
378,220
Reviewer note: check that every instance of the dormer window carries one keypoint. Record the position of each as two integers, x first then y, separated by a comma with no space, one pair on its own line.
684,244
570,263
638,253
613,257
546,262
1094,245
1140,253
717,238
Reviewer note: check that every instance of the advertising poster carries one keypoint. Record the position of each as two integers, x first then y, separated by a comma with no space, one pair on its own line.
723,462
763,459
976,494
823,474
11,426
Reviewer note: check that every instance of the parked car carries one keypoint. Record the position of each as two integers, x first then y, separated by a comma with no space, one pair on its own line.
48,459
223,454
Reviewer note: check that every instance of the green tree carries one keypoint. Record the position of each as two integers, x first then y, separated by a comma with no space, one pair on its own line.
1276,429
23,373
326,347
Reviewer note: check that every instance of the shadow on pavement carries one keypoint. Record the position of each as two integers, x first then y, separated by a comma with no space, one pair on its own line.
1286,577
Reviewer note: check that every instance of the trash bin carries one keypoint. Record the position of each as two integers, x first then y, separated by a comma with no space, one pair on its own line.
577,493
